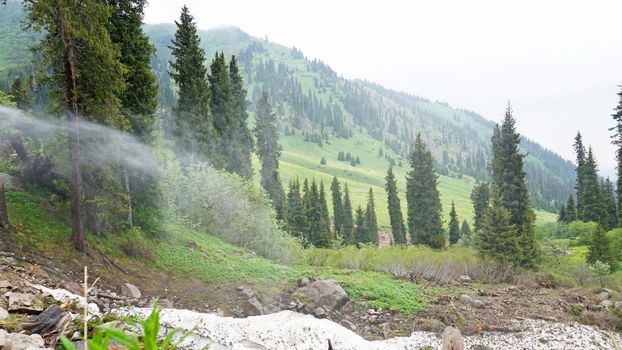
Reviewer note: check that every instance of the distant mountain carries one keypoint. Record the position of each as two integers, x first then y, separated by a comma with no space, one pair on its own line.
322,114
318,104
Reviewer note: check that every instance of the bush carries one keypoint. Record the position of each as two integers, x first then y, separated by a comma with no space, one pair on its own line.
615,240
133,244
582,231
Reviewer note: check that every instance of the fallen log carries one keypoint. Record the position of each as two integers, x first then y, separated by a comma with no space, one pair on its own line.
50,324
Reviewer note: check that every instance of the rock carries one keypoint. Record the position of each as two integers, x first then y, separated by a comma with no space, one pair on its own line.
478,304
3,313
452,339
607,290
23,302
348,324
166,303
192,245
302,281
23,342
606,304
604,295
319,312
327,294
252,307
5,285
130,291
595,307
429,325
618,305
465,279
246,292
9,181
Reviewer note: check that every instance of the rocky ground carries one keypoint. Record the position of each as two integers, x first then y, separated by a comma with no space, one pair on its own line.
529,316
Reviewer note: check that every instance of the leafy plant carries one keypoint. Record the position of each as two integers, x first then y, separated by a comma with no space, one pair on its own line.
599,270
148,341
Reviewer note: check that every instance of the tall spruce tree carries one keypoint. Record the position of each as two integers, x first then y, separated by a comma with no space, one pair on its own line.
580,154
241,142
454,225
599,249
193,123
325,234
19,94
609,202
269,151
371,220
296,220
592,194
509,191
360,231
617,141
139,99
86,77
348,218
395,210
465,230
422,196
338,210
498,237
562,216
222,107
480,197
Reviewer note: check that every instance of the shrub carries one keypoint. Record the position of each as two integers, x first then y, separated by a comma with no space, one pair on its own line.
582,231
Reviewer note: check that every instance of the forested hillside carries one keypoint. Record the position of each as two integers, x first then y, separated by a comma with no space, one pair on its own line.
322,115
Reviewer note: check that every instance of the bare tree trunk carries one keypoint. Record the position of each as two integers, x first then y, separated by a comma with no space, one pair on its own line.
73,135
4,214
126,177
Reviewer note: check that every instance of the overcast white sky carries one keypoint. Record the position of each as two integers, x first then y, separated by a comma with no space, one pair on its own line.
558,62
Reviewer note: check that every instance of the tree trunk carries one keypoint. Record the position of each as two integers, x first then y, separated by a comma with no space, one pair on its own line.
75,182
4,215
126,177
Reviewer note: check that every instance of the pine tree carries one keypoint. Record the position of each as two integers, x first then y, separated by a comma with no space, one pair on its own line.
348,219
269,151
562,216
592,194
193,120
241,142
579,150
20,94
371,220
325,234
338,210
139,99
454,225
221,105
465,230
617,141
395,210
609,203
296,220
422,196
571,209
509,191
498,238
599,248
480,197
360,231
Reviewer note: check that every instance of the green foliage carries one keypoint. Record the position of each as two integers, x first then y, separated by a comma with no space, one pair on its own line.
480,197
371,221
615,240
454,225
617,141
395,211
221,105
269,150
6,100
465,230
20,94
424,205
339,214
148,340
600,269
348,219
599,249
515,238
582,231
240,145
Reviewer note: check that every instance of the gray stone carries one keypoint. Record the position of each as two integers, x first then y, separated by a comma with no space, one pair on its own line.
327,294
465,279
302,281
252,307
22,341
166,303
618,305
606,304
3,313
246,292
130,291
9,181
5,284
478,304
348,324
23,302
319,312
604,295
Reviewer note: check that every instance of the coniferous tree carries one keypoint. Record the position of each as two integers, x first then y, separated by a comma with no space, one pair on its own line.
599,249
395,210
609,202
465,230
454,225
480,197
571,209
19,94
193,120
295,218
422,196
617,141
222,105
241,142
593,203
269,151
139,99
360,231
509,191
325,237
562,216
580,154
498,238
338,209
348,218
371,220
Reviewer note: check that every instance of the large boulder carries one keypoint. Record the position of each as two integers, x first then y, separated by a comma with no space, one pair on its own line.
478,304
24,302
321,294
252,307
130,291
